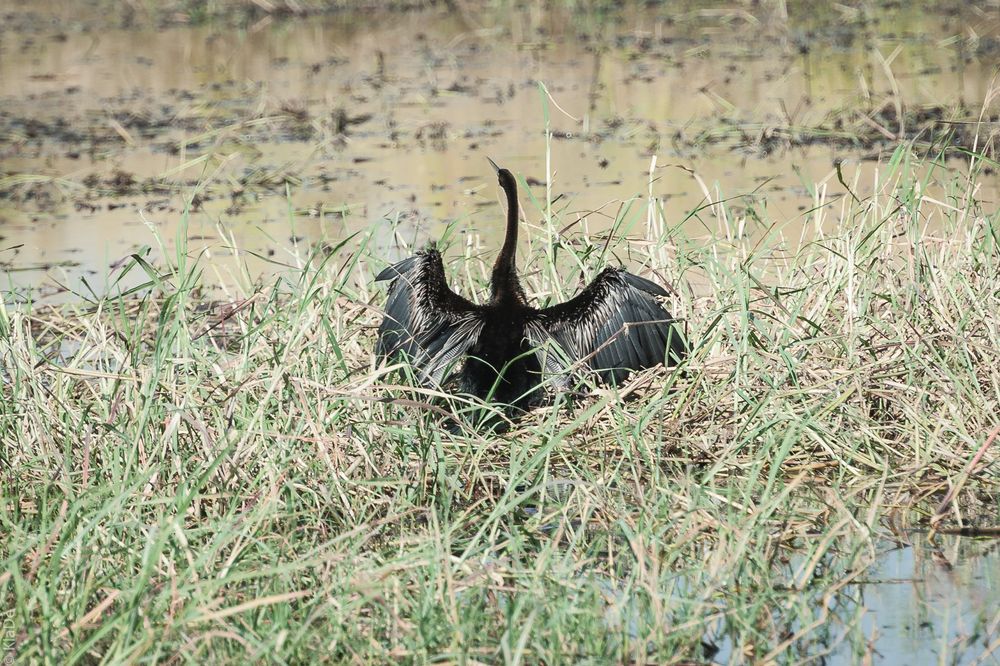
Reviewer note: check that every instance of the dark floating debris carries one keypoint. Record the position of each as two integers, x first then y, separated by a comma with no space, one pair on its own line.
342,121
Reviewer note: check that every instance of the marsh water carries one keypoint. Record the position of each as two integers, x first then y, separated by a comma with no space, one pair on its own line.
920,603
906,597
933,605
253,141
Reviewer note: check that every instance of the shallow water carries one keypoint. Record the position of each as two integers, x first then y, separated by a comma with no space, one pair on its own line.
928,605
916,605
298,132
902,599
917,602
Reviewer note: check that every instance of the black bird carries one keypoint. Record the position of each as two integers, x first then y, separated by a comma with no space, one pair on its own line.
497,351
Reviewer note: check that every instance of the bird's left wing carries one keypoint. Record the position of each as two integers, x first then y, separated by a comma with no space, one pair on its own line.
425,321
614,326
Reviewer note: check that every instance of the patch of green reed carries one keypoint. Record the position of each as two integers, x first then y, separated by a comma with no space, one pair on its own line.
194,481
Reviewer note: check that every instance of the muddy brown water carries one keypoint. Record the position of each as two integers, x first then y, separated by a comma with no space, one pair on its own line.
288,133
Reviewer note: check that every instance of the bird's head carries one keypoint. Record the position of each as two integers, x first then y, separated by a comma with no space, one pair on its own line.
505,177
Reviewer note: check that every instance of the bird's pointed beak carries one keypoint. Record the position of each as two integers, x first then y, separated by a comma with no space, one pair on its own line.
494,165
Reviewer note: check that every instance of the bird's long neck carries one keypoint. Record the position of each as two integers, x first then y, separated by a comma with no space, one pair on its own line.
505,285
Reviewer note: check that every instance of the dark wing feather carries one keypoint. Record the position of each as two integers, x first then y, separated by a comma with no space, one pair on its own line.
425,321
614,326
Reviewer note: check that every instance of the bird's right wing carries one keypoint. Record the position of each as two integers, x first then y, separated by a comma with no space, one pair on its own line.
425,321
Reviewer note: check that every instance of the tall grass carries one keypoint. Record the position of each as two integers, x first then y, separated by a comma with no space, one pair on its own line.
192,481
